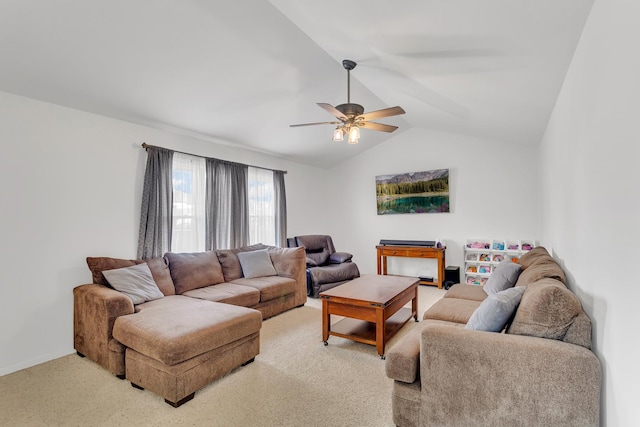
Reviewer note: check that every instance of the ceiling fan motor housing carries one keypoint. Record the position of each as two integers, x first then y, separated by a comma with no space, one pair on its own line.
350,110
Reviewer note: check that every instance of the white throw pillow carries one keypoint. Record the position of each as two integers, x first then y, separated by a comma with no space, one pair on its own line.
136,282
256,264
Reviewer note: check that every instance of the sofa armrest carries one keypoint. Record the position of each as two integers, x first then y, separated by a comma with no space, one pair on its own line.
340,257
291,263
403,359
95,309
484,378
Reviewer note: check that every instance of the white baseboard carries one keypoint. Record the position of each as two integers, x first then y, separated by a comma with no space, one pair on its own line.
33,362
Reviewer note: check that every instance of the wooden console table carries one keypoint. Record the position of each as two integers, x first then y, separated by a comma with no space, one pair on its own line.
385,251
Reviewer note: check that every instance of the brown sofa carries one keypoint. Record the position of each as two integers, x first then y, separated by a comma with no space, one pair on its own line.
206,324
539,371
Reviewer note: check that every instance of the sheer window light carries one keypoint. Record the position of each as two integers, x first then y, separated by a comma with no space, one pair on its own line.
188,233
261,207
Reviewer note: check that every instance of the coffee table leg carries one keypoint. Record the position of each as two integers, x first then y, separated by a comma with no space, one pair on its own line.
380,329
325,321
414,305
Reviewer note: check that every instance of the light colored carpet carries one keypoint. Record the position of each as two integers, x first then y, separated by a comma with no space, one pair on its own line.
294,381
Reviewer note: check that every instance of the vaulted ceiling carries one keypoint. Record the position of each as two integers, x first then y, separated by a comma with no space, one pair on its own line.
242,71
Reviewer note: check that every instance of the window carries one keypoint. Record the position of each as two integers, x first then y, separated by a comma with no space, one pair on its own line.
192,204
188,227
188,233
262,220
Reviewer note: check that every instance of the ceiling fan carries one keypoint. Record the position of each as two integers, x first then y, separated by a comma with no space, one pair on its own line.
352,116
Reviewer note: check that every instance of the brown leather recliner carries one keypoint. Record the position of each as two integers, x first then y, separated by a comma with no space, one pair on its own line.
326,268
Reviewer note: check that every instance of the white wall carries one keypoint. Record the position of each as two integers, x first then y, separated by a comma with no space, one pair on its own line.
493,194
71,188
591,198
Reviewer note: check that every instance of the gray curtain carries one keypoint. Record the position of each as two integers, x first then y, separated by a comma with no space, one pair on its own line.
154,238
281,208
227,205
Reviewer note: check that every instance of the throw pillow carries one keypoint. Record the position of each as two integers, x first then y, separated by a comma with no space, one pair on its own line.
494,312
228,258
99,264
136,282
503,277
256,264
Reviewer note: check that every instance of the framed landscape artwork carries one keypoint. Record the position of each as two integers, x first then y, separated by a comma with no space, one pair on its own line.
415,192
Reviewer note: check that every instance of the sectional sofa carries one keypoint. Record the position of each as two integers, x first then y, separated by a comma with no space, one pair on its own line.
201,319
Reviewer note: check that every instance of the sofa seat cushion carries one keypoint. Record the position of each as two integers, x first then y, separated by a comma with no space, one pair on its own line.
464,291
547,310
452,310
176,328
228,293
333,273
270,287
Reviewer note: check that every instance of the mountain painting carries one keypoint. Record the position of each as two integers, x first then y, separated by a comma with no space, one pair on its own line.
416,192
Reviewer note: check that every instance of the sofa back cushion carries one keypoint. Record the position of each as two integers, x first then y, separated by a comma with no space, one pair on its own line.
194,270
158,266
535,254
538,264
228,258
547,310
318,248
160,271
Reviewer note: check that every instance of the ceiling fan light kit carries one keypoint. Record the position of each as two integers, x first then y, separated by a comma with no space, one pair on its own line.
352,116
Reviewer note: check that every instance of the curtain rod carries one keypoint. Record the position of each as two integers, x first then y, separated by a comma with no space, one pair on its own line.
145,146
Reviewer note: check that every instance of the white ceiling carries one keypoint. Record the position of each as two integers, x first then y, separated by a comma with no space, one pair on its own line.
242,71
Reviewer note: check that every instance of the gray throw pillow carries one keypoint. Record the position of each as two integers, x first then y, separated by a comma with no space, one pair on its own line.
495,311
503,277
136,282
256,264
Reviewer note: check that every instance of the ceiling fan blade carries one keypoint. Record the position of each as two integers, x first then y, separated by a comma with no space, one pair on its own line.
313,124
387,112
378,126
332,110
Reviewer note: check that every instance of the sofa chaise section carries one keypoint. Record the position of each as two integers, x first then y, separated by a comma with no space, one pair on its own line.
174,358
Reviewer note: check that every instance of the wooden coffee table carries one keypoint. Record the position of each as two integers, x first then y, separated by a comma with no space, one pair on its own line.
373,307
